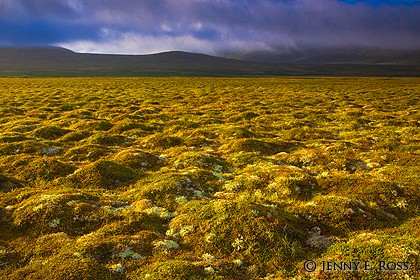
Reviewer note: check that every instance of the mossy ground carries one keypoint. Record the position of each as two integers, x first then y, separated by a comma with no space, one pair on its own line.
208,178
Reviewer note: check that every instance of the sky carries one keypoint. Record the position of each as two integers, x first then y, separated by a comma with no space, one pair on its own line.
209,26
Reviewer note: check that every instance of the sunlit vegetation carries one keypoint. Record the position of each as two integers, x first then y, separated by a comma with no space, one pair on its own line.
208,178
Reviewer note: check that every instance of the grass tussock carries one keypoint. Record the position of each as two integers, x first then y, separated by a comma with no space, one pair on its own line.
208,178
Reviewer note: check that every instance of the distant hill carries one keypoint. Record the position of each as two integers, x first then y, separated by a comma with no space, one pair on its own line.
332,56
54,61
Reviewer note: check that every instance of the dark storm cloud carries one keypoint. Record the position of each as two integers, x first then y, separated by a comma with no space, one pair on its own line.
130,26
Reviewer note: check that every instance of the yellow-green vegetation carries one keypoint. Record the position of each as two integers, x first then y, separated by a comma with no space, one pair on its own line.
209,178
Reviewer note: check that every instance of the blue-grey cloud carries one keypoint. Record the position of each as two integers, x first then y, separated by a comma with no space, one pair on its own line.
212,26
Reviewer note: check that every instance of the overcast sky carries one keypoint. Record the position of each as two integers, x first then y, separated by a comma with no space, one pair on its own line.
209,26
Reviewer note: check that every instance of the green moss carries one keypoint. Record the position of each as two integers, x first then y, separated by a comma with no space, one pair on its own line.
295,183
239,178
50,132
263,235
25,125
125,249
174,269
51,244
341,214
104,174
379,248
234,132
254,145
87,152
164,188
201,160
23,147
242,159
51,213
32,168
63,267
131,127
75,136
107,140
135,223
8,258
12,137
395,198
160,141
6,223
138,159
93,125
273,180
307,157
206,132
309,133
8,184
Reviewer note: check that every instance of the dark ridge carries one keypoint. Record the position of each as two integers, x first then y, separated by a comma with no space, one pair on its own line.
333,56
55,61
